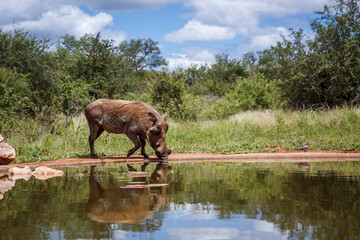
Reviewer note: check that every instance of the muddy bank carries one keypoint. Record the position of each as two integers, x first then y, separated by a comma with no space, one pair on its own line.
291,156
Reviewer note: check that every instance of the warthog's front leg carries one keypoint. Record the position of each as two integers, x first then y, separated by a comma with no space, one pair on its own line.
143,142
136,142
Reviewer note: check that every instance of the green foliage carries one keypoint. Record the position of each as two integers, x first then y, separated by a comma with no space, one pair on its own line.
110,70
35,79
93,62
323,72
168,95
25,54
224,74
254,92
216,79
74,96
15,95
140,54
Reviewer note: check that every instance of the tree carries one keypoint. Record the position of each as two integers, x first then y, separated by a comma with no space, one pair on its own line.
223,73
323,71
25,54
140,54
168,92
337,47
15,95
110,69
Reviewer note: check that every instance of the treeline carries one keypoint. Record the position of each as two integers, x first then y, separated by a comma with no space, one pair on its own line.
39,78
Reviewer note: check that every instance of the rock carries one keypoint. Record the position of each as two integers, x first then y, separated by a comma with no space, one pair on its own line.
20,173
6,184
7,152
43,173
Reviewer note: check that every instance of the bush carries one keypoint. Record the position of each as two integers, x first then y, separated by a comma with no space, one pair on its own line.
14,95
254,92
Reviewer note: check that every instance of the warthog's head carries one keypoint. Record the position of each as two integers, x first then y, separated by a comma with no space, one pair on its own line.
156,136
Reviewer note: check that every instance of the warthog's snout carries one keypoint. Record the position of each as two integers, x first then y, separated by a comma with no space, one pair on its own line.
164,155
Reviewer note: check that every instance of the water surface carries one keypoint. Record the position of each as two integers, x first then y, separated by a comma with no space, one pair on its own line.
187,201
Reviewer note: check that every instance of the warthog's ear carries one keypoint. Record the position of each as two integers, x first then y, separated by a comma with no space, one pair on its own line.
152,117
165,117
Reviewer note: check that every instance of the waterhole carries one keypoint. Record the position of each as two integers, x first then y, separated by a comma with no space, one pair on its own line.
186,201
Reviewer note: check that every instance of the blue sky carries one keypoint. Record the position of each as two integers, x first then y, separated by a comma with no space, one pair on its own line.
188,31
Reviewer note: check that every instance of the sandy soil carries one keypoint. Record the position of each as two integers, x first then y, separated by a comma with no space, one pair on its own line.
288,156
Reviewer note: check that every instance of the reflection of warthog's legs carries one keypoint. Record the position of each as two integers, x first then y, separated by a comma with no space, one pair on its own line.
92,172
143,167
130,168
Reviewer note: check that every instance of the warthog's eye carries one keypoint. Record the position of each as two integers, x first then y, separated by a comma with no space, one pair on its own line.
156,129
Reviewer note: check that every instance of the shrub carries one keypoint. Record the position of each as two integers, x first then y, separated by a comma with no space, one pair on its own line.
254,92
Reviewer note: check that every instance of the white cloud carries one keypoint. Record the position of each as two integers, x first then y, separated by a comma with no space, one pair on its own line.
20,10
193,56
222,20
68,19
182,61
54,19
117,36
271,37
199,32
203,55
71,20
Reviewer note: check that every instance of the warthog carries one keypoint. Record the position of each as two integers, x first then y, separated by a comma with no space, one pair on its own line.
136,119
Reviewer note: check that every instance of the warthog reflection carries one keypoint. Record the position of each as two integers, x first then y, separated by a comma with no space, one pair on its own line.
128,204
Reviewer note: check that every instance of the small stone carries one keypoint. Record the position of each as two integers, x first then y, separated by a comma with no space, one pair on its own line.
43,173
20,173
6,184
7,153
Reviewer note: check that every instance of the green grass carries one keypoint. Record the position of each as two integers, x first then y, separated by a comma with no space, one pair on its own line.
247,132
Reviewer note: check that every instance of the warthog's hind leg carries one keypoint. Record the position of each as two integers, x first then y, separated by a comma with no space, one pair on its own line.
95,131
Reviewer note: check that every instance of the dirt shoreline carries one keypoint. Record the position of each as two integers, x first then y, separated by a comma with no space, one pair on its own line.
288,156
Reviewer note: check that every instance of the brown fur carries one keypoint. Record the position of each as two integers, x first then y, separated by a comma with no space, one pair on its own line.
136,119
127,205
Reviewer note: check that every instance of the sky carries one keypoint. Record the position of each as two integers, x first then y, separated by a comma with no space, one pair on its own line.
188,31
